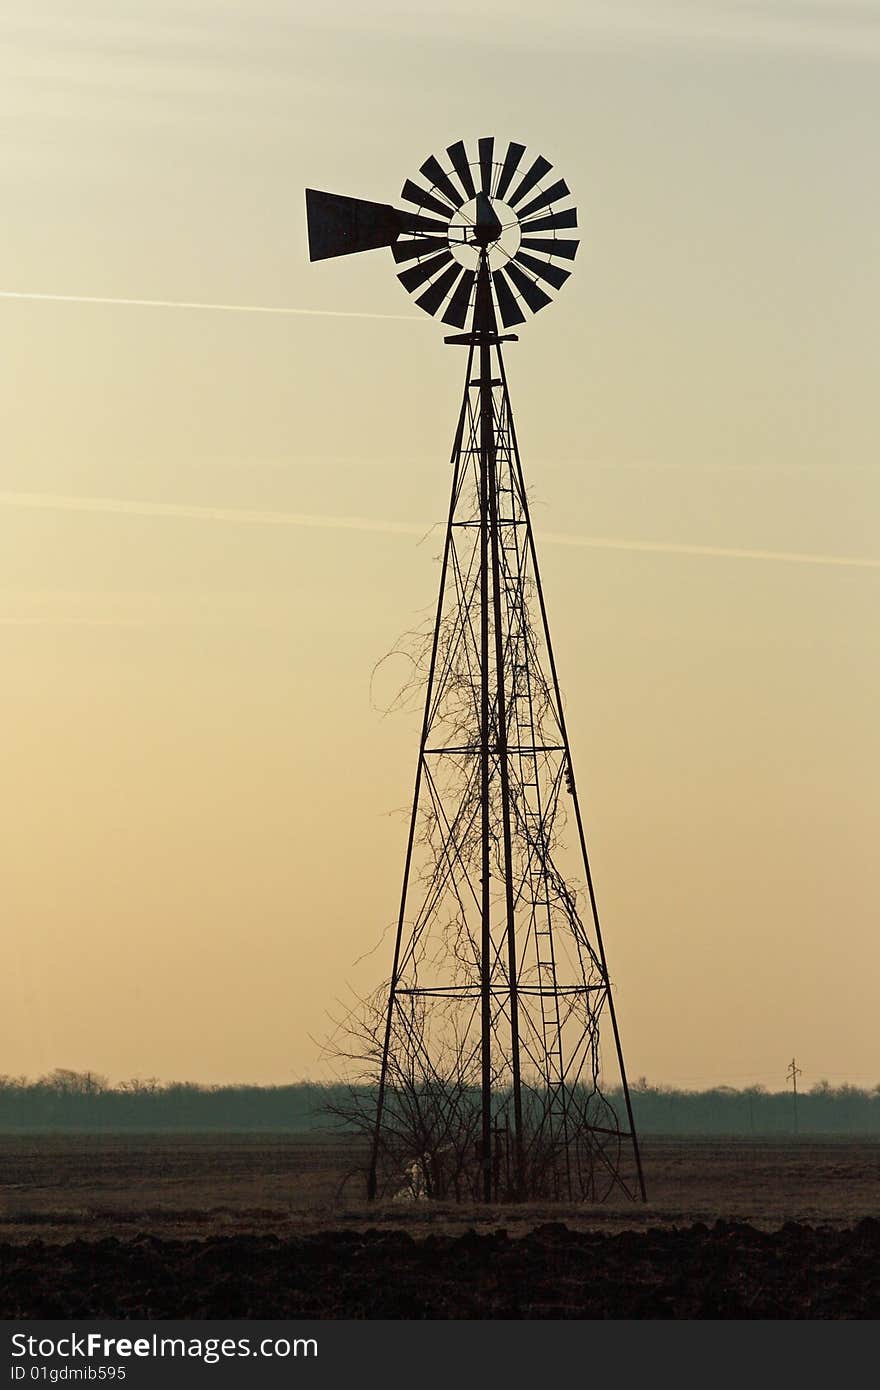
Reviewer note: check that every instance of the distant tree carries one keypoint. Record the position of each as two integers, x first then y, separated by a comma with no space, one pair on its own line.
65,1082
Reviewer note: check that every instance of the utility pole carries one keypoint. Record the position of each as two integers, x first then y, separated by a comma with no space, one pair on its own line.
792,1075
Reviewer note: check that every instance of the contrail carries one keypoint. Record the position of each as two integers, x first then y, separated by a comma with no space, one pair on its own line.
242,516
183,511
789,557
194,304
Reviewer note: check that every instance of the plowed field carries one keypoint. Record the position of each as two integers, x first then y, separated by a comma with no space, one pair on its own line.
188,1226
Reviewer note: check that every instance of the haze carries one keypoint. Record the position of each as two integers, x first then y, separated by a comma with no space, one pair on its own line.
200,836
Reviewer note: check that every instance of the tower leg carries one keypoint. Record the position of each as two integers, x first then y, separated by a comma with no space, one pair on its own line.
372,1173
485,319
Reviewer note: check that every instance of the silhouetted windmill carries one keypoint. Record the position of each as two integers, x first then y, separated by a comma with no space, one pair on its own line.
489,1075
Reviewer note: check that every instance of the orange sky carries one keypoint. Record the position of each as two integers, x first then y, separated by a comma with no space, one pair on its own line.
201,833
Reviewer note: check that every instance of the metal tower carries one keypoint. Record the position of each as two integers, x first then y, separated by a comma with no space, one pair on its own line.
485,1050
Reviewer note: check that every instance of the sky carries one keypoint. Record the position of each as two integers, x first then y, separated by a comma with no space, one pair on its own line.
214,522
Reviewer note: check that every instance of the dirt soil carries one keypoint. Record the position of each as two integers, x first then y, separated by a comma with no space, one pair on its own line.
276,1226
729,1270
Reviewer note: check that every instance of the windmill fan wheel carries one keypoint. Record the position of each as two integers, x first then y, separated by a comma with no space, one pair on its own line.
512,207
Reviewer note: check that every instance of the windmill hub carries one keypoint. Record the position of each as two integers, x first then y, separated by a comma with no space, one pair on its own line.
487,225
498,234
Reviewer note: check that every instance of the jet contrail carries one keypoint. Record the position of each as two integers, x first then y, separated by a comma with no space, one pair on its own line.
185,511
789,557
194,304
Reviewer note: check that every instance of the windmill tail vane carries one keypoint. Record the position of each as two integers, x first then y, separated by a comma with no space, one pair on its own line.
495,1066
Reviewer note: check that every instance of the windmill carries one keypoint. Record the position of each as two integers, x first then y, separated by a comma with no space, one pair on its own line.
489,1076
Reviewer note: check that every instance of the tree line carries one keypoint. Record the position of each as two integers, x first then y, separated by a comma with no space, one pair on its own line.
71,1101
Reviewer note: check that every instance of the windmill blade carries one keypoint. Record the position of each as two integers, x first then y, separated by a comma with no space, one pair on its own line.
422,246
418,274
456,310
553,221
508,169
487,154
511,313
555,194
423,199
533,295
545,270
551,246
440,179
458,155
339,226
540,167
435,294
